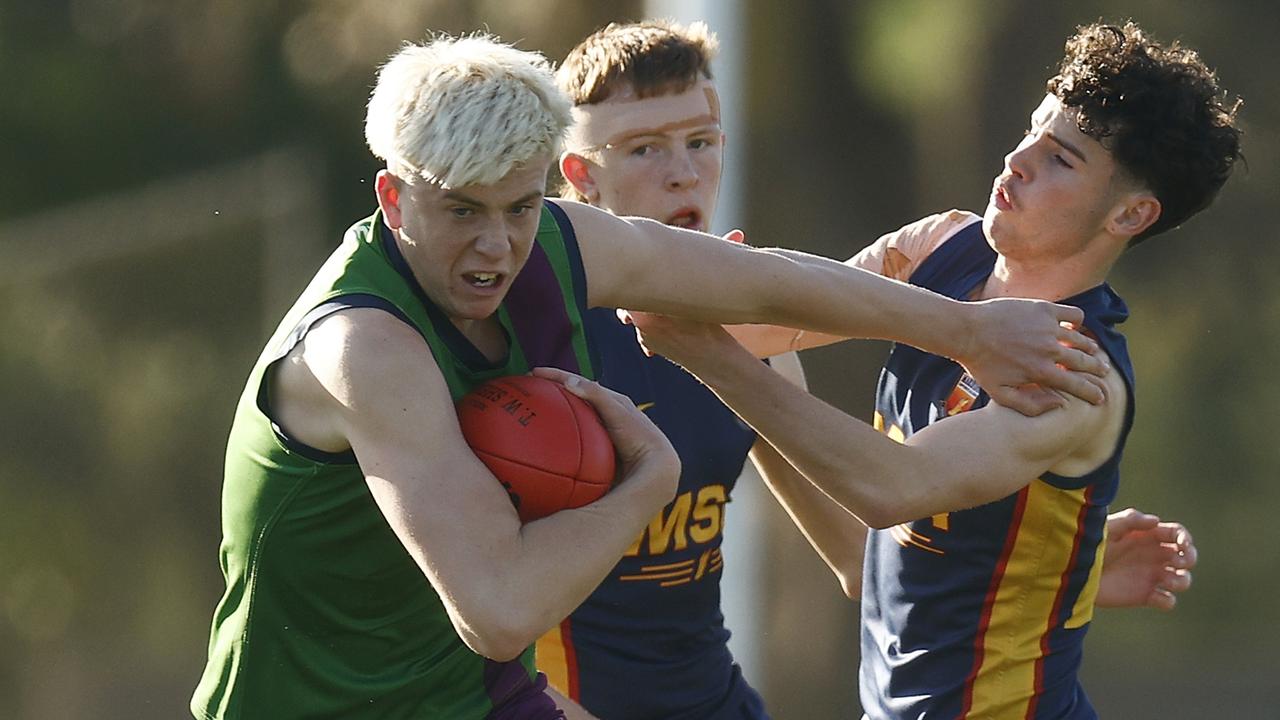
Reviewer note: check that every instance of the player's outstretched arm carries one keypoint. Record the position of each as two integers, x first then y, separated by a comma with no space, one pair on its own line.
973,458
645,265
373,381
1147,562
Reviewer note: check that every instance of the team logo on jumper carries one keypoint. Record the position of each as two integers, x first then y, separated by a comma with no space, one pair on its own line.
679,573
962,396
692,519
912,534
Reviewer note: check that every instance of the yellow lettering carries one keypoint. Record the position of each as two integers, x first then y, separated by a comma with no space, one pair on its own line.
664,528
708,514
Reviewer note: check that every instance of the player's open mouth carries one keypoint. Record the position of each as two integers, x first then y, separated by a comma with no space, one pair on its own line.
688,218
482,279
1001,197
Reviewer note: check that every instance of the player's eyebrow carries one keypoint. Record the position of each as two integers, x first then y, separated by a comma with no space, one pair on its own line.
1038,122
708,121
461,197
1067,146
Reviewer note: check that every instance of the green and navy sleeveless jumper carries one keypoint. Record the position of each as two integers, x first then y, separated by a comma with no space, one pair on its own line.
982,613
650,641
325,613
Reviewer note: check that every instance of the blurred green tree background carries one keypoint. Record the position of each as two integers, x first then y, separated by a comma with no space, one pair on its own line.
175,172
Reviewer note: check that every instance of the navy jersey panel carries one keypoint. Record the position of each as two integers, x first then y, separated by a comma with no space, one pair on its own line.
650,641
983,612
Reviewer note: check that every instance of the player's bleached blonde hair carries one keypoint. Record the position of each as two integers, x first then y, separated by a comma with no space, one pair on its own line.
465,111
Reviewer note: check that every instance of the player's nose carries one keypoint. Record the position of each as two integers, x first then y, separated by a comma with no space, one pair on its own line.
493,239
681,170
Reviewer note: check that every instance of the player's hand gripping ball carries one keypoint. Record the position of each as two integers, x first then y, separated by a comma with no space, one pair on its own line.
546,445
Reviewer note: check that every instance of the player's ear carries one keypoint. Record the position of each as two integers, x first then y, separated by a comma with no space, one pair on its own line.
1135,215
388,188
576,169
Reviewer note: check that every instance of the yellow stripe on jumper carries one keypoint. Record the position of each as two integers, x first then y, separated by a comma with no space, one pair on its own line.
1024,602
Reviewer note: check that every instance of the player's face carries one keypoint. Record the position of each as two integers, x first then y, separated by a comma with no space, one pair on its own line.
1056,191
465,245
657,157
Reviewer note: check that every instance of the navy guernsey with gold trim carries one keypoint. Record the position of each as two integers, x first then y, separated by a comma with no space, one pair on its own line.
982,613
650,641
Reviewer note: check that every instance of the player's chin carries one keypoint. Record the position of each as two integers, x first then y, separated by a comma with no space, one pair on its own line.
475,308
478,303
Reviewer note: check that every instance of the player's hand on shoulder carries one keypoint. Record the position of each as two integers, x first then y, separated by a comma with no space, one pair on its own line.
1022,350
644,453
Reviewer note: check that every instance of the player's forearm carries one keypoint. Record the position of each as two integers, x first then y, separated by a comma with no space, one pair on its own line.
725,283
874,478
837,536
553,564
843,301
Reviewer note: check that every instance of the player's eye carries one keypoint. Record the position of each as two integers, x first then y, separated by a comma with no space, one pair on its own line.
644,150
462,211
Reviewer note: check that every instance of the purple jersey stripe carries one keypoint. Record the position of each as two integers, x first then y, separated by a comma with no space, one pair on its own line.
515,696
538,315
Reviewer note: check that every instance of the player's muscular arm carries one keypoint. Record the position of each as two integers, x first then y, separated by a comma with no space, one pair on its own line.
894,255
964,461
503,584
645,265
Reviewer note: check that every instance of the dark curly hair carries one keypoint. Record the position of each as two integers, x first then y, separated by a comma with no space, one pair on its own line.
1158,109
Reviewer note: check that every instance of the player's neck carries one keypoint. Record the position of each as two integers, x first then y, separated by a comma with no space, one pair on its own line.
1053,276
486,335
1050,281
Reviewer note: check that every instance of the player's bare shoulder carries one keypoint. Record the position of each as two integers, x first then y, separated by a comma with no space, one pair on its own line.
338,367
1098,427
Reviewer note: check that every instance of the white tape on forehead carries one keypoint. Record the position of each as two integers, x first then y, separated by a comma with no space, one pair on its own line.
612,121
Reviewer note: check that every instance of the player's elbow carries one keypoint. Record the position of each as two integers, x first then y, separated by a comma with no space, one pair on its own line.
498,631
851,583
882,513
498,640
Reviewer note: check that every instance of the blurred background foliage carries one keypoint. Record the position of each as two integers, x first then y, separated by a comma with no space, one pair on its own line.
175,171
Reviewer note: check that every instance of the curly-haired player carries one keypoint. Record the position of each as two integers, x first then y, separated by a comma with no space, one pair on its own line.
983,574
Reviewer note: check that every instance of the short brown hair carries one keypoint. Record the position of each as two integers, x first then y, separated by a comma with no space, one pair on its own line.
655,58
1159,111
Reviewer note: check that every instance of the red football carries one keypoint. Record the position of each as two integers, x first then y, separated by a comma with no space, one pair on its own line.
546,445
